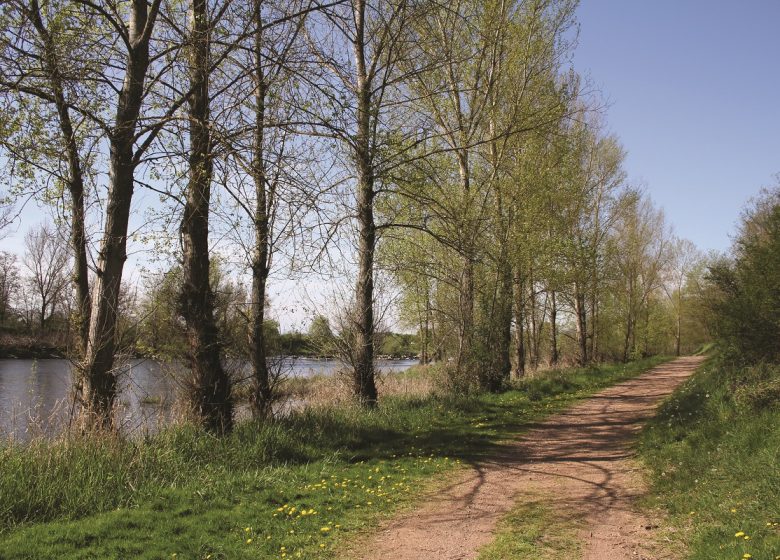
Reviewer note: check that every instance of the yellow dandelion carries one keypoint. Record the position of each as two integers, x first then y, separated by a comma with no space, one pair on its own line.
249,541
739,534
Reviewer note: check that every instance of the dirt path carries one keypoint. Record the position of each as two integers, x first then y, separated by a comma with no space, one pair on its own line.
579,462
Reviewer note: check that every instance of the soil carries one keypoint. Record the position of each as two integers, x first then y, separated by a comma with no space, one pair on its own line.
579,464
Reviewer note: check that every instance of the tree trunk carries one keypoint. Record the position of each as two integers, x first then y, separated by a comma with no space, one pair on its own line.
466,289
519,307
364,384
678,337
534,339
262,390
211,390
424,332
504,320
553,330
678,333
628,337
594,321
99,379
580,313
78,241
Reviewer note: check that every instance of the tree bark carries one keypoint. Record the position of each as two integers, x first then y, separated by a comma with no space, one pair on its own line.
519,307
262,391
553,330
211,387
534,330
425,327
364,384
466,288
580,313
678,337
504,320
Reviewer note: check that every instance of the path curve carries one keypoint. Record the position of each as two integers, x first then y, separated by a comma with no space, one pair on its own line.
578,463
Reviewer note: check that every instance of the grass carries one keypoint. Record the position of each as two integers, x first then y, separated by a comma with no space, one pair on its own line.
714,451
532,530
300,487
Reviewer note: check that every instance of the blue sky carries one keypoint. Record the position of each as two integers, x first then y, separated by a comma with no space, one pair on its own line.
694,94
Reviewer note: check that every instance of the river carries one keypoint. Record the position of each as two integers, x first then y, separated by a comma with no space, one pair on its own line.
34,394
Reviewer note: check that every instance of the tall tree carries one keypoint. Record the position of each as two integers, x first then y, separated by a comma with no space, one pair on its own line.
39,61
267,188
361,90
641,256
135,35
211,386
685,257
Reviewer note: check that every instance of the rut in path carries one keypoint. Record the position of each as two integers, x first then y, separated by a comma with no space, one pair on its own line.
579,463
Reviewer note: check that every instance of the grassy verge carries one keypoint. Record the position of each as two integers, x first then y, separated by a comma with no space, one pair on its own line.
532,530
714,451
299,487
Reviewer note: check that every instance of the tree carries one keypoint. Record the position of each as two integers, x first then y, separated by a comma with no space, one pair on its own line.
363,48
642,243
210,393
747,307
267,153
321,336
684,260
9,284
40,65
131,71
46,261
490,82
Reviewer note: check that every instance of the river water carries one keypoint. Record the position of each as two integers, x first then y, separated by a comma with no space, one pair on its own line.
35,394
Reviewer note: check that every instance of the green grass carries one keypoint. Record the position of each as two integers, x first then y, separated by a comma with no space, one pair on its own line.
532,530
188,494
714,451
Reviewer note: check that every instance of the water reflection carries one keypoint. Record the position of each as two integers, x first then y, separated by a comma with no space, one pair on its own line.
35,394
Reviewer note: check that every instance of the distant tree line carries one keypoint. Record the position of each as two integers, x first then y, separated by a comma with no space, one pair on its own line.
36,307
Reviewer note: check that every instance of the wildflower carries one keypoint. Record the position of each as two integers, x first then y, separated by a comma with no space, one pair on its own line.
739,534
249,541
324,529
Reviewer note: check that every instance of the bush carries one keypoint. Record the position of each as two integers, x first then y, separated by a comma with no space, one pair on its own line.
748,307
